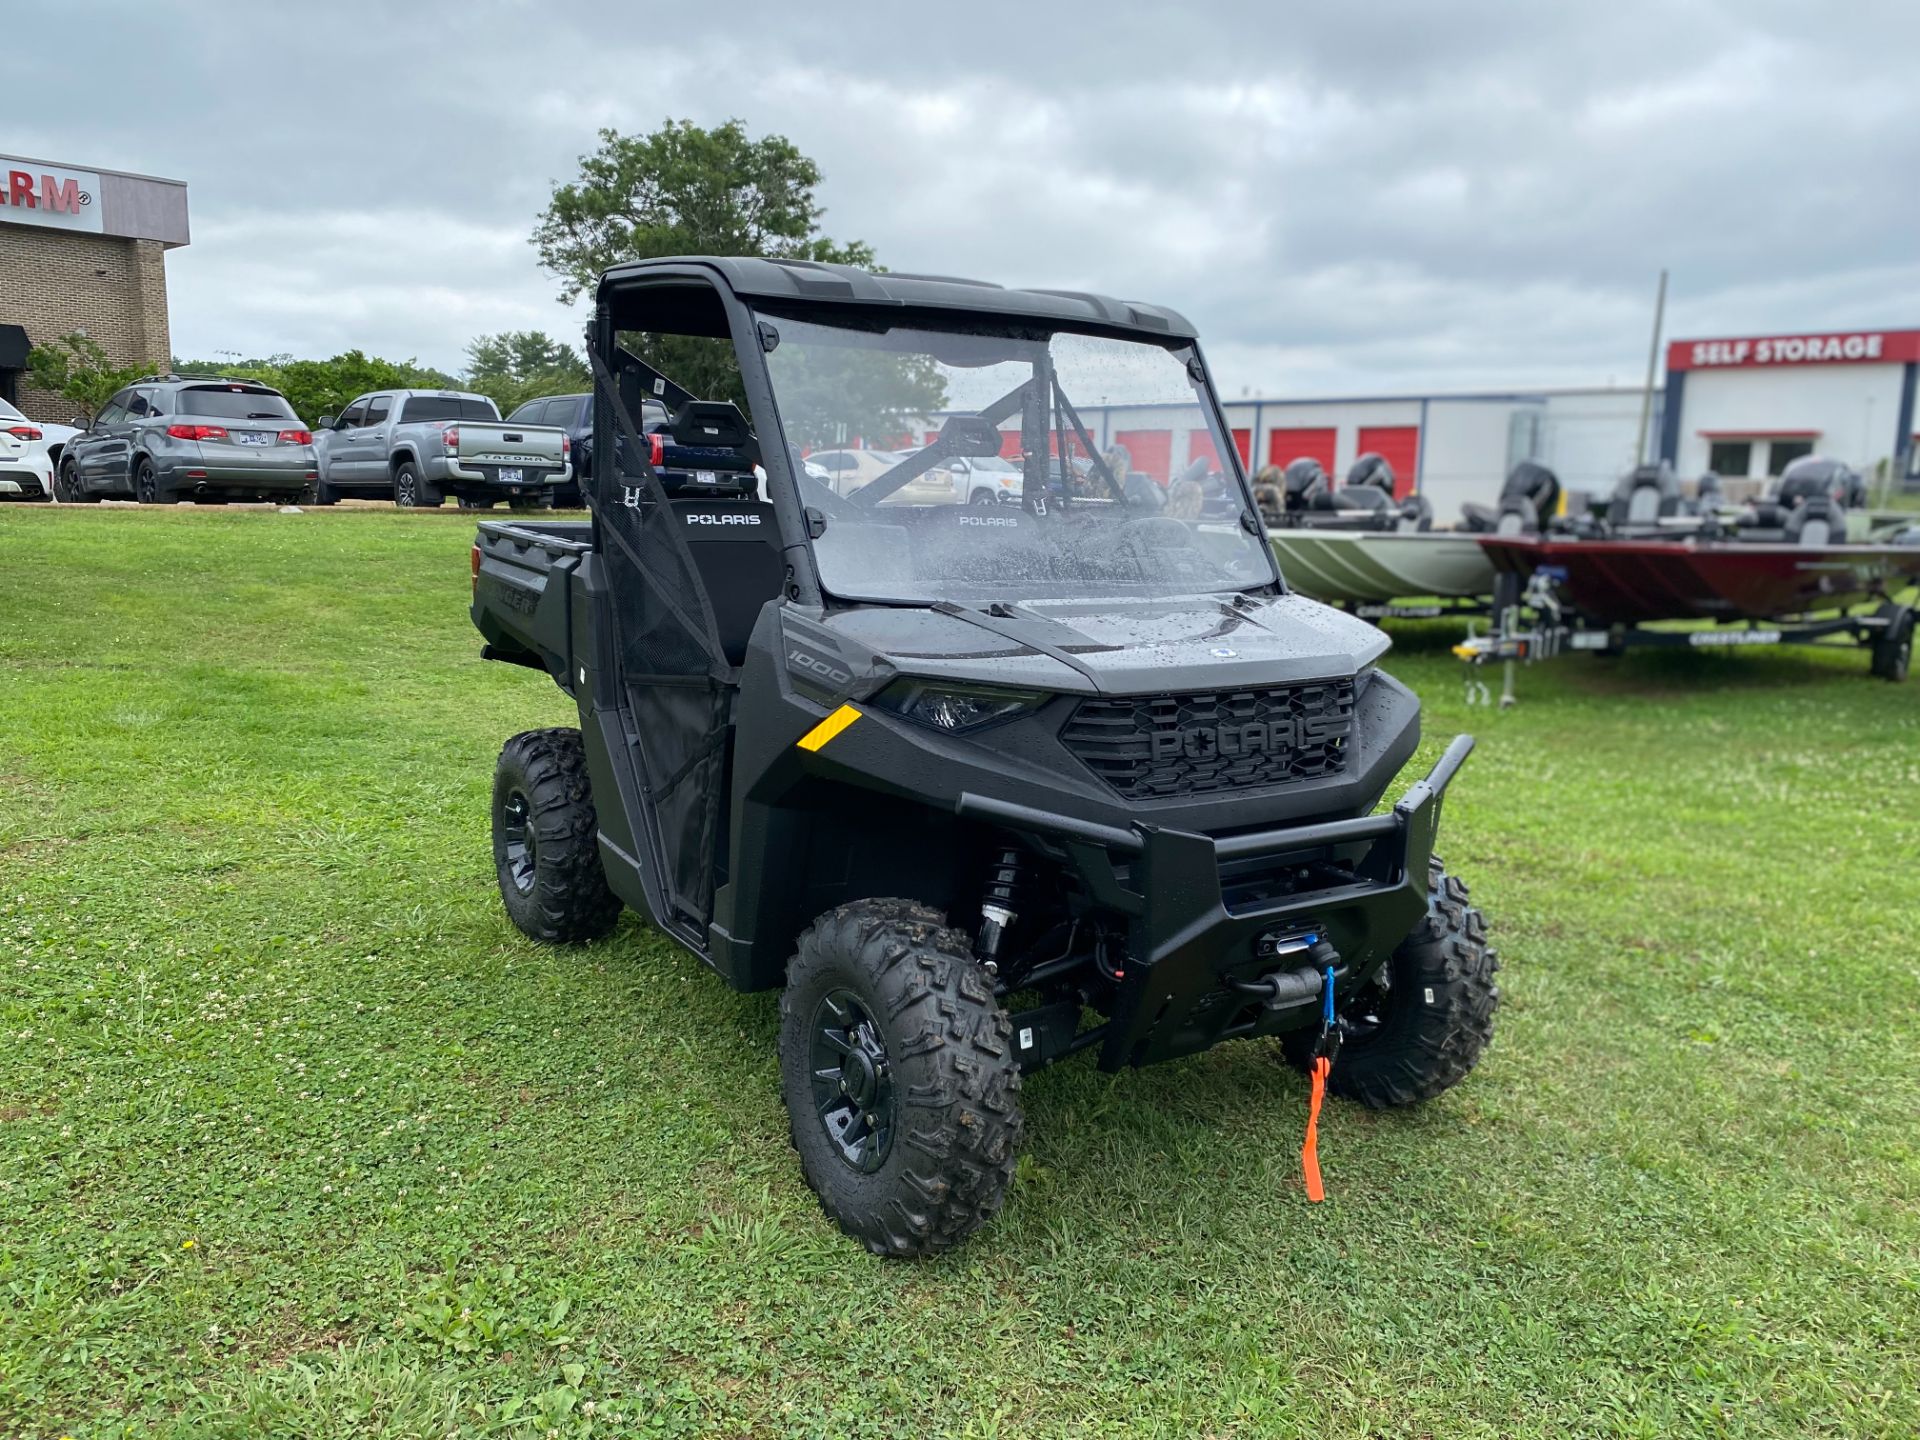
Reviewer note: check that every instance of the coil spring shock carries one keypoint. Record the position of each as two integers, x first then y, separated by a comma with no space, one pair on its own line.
997,914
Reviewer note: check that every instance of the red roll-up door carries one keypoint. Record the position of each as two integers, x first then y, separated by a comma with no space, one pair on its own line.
1200,444
1152,451
1399,446
1286,446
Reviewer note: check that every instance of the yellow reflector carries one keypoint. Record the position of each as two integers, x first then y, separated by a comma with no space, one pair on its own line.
829,727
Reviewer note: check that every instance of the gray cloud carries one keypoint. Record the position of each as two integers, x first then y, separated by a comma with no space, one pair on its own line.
1352,198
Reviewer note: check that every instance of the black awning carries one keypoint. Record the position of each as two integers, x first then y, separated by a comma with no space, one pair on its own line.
13,347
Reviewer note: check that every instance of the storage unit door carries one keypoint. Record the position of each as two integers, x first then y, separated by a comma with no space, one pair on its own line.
1313,443
1399,446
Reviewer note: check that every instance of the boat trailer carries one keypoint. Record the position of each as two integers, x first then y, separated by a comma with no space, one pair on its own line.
1539,626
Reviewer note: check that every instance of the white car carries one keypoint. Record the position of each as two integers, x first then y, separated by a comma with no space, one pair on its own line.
29,453
987,480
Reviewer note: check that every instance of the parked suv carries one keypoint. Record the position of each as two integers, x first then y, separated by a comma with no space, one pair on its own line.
198,437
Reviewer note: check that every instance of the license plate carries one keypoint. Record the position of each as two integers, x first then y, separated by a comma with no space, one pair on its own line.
252,437
509,476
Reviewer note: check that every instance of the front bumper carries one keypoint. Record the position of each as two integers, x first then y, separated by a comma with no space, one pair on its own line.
1197,906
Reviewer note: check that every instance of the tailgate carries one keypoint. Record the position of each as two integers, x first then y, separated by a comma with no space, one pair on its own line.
482,442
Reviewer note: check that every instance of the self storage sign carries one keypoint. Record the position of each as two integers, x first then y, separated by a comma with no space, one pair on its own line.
35,194
1847,347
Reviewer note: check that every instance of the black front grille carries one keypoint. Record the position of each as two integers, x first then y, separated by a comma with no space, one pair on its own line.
1150,746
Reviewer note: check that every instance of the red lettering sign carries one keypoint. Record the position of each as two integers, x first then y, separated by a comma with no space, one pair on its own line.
1845,347
20,189
60,194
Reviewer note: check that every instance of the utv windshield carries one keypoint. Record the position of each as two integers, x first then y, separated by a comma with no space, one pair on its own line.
958,491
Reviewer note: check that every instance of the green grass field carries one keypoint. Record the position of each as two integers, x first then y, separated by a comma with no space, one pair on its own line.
299,1138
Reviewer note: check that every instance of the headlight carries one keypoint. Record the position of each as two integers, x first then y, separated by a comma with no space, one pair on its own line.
956,708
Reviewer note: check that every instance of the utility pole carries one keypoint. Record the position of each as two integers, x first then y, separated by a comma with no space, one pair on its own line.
1653,364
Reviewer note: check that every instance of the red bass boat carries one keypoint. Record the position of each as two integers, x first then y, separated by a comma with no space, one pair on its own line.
1783,572
1627,582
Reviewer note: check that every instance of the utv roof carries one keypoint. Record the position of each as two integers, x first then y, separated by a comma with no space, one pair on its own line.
812,282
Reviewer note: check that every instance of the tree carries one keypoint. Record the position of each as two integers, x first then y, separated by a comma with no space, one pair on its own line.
685,190
325,387
75,368
516,366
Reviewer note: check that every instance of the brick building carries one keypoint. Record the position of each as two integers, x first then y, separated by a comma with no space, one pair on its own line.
83,250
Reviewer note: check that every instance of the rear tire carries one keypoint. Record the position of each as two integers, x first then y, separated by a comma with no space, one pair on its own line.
1893,649
410,492
931,1161
546,846
146,483
325,494
1423,1030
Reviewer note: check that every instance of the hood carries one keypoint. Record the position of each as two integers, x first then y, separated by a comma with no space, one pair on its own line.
1200,642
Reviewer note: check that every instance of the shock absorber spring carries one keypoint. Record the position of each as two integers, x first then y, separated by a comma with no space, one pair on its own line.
996,906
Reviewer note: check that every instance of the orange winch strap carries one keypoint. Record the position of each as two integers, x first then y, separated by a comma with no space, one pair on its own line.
1310,1152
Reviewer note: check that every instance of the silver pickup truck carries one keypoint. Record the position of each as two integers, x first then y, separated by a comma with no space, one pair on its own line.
420,446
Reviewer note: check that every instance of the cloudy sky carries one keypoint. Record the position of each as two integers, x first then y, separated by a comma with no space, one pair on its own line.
1381,196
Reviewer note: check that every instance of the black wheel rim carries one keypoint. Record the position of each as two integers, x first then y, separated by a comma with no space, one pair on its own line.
522,850
143,485
852,1080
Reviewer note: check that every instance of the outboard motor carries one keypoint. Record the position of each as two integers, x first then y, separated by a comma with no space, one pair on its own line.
1648,494
1813,475
1527,501
1303,479
1371,469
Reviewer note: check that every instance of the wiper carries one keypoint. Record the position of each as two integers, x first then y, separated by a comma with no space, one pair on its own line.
1036,632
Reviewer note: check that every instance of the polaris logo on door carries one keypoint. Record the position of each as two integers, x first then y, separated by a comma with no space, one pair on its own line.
1003,520
697,519
1258,737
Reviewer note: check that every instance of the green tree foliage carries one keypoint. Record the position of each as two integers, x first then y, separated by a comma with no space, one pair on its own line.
516,366
325,387
686,190
831,396
75,368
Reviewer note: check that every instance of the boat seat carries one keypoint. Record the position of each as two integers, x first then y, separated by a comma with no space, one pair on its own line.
1480,519
1516,517
1416,515
1645,497
1816,520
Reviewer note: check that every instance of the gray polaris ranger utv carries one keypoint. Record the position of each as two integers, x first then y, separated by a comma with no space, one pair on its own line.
981,787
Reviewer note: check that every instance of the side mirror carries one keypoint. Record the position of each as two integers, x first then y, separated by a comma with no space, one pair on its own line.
957,468
326,423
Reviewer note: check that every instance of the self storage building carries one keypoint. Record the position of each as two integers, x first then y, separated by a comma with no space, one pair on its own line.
83,250
1751,405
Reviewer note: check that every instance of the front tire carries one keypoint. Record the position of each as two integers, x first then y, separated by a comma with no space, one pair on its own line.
1419,1027
982,497
546,840
902,1091
66,485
